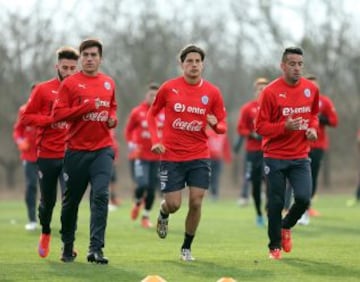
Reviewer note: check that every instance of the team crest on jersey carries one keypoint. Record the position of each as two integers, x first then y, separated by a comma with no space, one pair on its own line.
107,85
205,100
307,92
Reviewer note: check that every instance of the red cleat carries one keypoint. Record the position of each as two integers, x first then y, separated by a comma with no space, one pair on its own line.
44,245
286,242
135,211
275,254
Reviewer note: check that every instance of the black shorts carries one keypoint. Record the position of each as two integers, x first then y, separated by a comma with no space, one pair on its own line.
174,176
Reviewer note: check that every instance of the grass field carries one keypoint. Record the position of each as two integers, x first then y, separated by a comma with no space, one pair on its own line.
227,244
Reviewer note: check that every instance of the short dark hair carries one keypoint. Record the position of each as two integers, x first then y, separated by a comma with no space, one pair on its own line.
190,49
67,52
291,50
153,86
91,42
311,77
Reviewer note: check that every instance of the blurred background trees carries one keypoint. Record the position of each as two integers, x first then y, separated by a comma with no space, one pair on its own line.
243,39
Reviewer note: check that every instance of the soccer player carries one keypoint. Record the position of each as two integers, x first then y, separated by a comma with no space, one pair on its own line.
254,156
287,120
328,117
50,140
353,202
146,163
220,152
25,139
190,103
114,200
87,100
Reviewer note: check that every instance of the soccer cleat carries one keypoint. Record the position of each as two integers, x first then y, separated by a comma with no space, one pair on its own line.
313,212
145,222
274,254
162,227
97,257
31,226
135,211
185,255
286,242
242,202
115,201
304,219
260,221
44,245
68,257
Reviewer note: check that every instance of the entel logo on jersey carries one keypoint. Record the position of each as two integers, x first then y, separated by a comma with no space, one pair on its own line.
299,110
180,108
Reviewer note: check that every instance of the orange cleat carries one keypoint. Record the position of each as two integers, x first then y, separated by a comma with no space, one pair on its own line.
313,212
145,222
44,245
286,242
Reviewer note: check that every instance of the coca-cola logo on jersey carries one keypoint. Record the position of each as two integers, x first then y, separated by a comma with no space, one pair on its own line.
59,125
194,125
96,116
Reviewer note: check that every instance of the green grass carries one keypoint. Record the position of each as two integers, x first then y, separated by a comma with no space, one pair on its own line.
227,244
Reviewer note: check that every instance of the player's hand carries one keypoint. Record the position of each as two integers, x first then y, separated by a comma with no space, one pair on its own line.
158,148
311,134
211,120
23,145
111,122
293,123
97,103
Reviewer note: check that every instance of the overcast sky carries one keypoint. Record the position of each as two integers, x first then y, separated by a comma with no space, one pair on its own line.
287,14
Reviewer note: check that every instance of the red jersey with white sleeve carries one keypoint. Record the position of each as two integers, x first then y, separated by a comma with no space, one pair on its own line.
327,110
51,135
246,125
219,146
25,138
137,131
88,129
279,101
186,108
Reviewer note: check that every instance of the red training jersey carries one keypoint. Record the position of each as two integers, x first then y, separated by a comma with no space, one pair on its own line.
25,138
327,109
246,125
137,132
88,128
51,135
186,107
278,101
219,146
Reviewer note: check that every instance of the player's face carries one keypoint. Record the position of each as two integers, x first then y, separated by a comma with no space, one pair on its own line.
192,66
258,88
90,60
292,68
66,67
150,96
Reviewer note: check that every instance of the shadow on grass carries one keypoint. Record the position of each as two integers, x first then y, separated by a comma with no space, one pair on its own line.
207,271
84,271
314,267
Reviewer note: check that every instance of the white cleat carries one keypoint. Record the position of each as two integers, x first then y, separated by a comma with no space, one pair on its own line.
304,219
185,255
31,226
